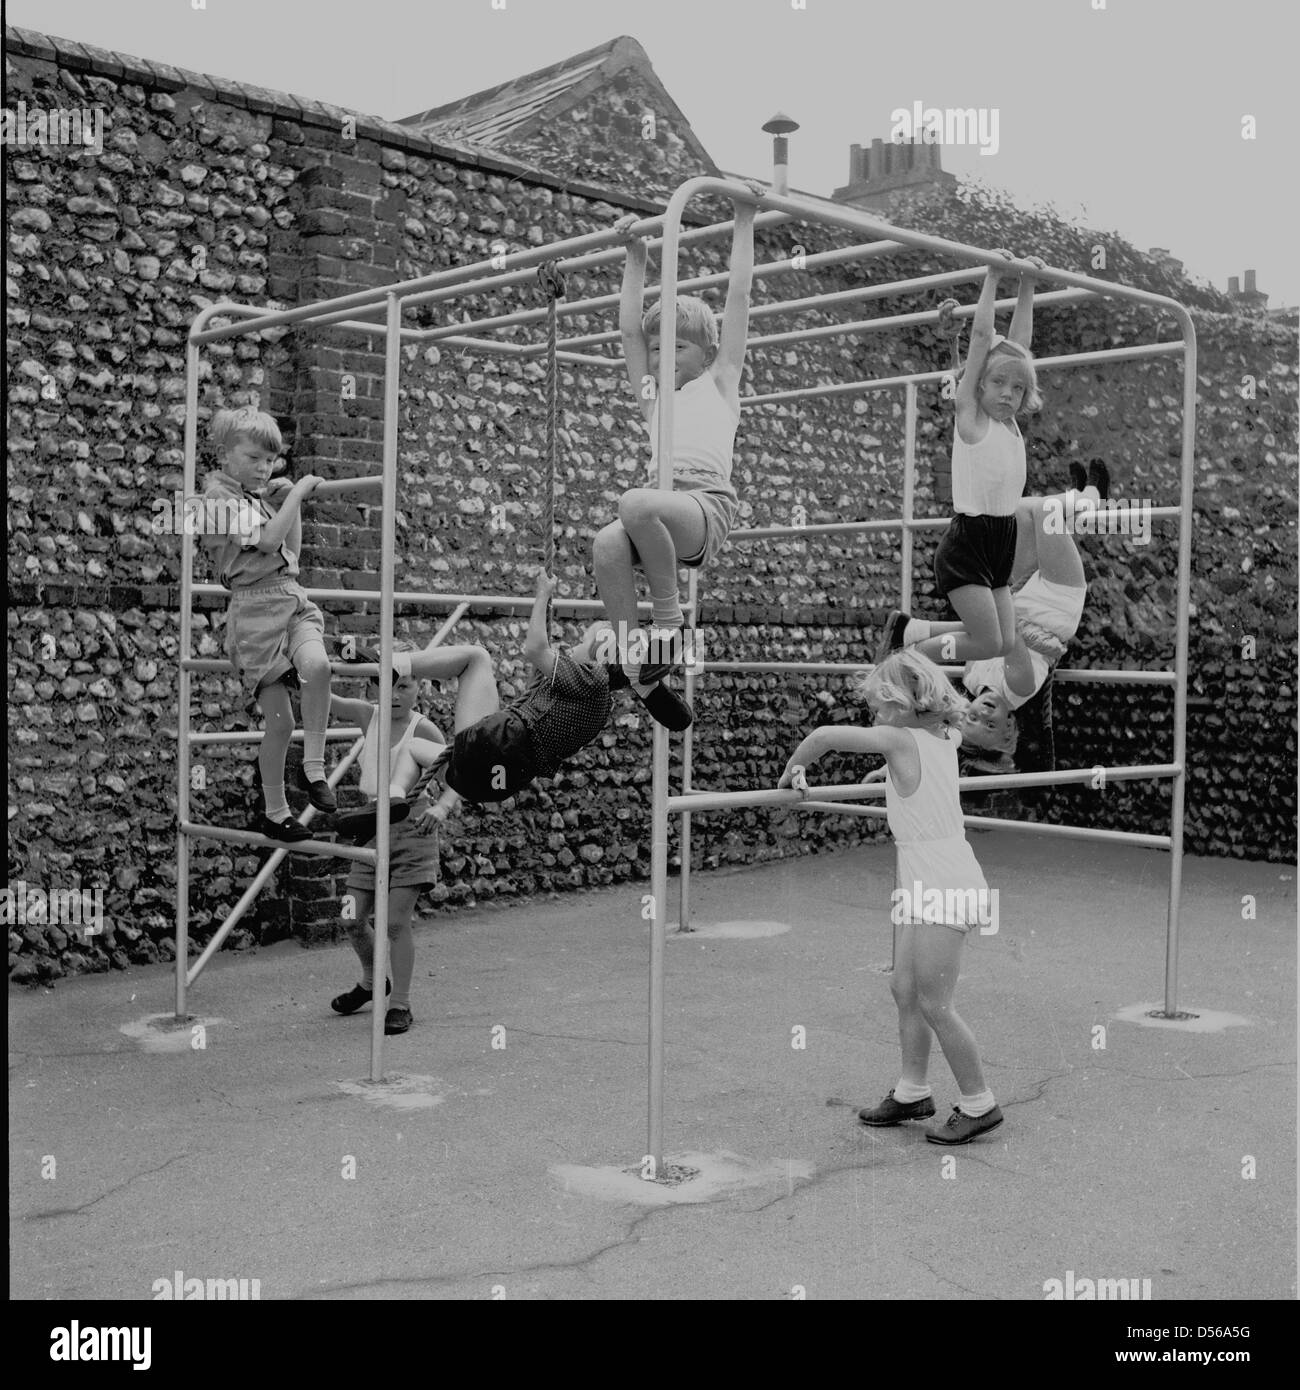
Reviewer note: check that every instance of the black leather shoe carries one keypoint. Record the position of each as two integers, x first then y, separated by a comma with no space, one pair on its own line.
290,831
320,794
350,1002
894,1112
667,707
397,1020
891,638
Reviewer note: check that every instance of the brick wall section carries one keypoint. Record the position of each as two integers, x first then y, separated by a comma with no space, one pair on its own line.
211,190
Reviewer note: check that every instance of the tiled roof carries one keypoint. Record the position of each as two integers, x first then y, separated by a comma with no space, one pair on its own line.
487,117
519,108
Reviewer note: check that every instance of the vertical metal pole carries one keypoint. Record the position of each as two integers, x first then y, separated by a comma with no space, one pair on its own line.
1178,801
183,682
909,492
387,557
666,387
688,753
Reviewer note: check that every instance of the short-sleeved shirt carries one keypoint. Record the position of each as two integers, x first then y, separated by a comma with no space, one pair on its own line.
565,711
233,543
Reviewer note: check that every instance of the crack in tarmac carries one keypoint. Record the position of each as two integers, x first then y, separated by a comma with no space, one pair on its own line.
94,1201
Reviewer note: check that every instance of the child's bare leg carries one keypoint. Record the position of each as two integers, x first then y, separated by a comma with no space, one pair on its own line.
1056,557
471,668
663,525
418,754
313,668
988,623
360,933
401,943
277,711
938,958
613,563
914,1033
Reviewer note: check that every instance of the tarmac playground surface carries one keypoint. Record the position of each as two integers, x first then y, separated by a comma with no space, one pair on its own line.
1148,1150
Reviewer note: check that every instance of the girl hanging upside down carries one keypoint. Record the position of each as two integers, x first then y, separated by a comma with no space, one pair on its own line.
497,752
1048,605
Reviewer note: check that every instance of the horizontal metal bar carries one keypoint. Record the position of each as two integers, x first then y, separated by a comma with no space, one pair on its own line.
1073,832
257,735
918,378
574,265
804,335
855,791
263,875
463,279
573,605
927,523
831,528
854,220
492,345
325,848
832,330
799,265
1071,675
333,487
601,303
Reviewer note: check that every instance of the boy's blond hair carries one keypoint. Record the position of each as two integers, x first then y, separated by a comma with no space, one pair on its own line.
909,679
695,321
247,422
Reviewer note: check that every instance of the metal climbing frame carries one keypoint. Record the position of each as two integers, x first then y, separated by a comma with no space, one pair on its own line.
354,312
359,312
691,802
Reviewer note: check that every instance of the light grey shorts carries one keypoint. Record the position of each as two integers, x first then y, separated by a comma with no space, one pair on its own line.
720,511
266,625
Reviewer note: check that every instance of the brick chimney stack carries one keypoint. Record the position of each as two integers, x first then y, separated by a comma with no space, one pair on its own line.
889,168
1251,297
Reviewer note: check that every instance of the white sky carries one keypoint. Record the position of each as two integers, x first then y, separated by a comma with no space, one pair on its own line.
1132,113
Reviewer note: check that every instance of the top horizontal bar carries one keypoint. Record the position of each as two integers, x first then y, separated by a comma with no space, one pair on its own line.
426,287
574,605
792,208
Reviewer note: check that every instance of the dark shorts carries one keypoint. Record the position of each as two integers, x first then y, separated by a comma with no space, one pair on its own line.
977,550
413,859
493,759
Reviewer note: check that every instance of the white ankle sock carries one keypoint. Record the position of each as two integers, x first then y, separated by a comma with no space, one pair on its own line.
977,1105
277,808
908,1092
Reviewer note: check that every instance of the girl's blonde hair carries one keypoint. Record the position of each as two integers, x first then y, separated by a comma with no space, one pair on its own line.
913,681
695,321
1033,396
229,426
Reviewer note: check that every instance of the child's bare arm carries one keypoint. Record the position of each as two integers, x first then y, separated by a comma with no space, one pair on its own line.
278,528
537,645
1019,670
630,312
843,738
344,708
981,340
1022,320
734,333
